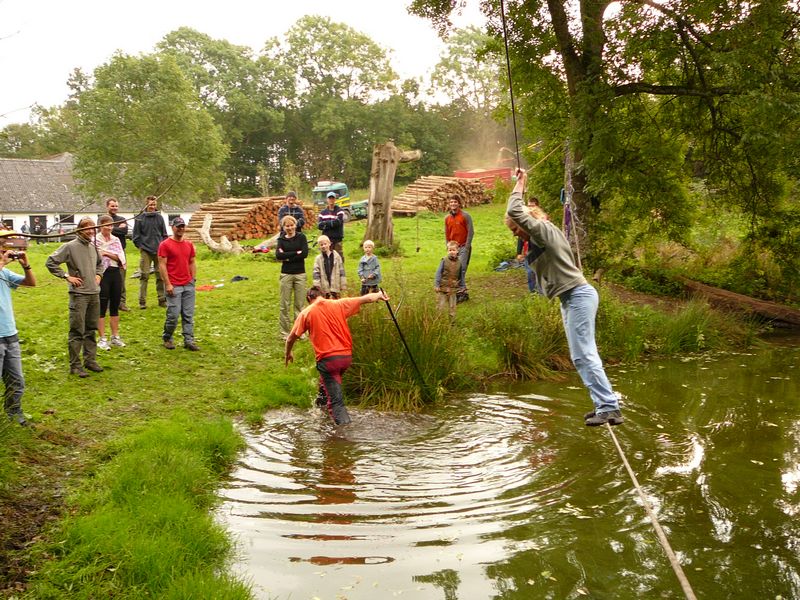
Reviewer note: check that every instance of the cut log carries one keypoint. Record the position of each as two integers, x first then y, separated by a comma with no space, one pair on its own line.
763,309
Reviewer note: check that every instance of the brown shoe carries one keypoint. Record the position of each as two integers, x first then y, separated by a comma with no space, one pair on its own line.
169,344
78,371
124,308
191,346
94,367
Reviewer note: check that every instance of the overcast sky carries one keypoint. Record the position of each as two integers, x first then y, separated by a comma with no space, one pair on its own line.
42,41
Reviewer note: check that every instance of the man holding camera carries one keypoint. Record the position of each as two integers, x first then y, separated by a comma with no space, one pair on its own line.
10,354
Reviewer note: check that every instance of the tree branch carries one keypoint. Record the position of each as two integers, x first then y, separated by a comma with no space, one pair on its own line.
642,87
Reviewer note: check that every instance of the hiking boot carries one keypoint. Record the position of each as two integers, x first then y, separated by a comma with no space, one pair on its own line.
93,366
124,308
102,343
588,415
117,341
143,306
612,417
163,304
78,371
19,418
191,346
169,344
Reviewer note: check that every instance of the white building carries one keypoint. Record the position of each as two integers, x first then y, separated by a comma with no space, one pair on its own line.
45,190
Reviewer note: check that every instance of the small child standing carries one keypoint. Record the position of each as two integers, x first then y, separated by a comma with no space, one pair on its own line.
329,270
447,279
369,269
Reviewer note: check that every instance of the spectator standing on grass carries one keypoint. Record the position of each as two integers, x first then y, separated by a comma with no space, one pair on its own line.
176,263
291,208
458,228
120,230
113,257
328,271
148,233
369,269
84,271
291,250
551,259
330,221
10,353
448,279
37,229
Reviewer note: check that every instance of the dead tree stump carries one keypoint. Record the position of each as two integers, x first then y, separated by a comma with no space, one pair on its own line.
385,158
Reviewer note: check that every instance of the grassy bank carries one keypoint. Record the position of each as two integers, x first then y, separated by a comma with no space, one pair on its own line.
135,452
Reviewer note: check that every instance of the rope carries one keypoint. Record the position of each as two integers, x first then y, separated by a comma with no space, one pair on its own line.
662,537
510,84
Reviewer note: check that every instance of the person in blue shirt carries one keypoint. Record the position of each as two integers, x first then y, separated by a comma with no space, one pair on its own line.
10,354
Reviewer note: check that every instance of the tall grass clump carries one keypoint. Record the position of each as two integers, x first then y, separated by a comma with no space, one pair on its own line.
527,336
382,374
144,527
698,328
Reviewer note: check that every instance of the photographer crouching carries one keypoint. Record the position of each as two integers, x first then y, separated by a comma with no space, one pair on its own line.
10,354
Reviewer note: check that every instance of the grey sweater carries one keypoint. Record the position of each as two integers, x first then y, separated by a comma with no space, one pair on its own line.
549,254
82,260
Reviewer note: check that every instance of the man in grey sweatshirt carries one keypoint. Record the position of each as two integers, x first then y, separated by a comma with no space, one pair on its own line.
84,270
550,258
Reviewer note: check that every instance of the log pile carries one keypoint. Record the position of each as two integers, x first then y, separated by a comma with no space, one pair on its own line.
433,193
241,218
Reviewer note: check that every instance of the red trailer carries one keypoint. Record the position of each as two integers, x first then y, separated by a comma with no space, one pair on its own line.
486,176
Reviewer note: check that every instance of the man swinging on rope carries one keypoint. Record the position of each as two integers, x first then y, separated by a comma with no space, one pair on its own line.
326,322
550,258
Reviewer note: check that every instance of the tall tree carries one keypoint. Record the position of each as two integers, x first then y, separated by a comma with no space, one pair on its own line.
143,131
635,85
243,94
337,72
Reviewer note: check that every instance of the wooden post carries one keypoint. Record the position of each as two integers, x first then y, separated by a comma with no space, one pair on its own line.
385,158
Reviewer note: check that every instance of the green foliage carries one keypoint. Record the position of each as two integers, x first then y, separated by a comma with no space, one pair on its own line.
382,374
527,336
144,132
144,528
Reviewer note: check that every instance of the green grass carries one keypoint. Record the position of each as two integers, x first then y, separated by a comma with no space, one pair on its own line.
138,450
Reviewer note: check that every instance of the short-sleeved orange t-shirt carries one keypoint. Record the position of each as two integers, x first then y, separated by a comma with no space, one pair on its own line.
326,322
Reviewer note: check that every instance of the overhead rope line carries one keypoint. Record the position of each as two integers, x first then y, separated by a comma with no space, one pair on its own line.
510,83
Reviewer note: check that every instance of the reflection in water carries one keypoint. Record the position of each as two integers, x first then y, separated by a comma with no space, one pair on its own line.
510,496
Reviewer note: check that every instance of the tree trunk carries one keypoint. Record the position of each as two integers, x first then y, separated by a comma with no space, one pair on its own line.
385,158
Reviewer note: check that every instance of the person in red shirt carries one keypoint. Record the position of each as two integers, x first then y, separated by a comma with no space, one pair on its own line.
326,322
458,228
178,271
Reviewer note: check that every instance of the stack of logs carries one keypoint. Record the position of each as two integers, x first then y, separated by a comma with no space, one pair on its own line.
241,218
434,192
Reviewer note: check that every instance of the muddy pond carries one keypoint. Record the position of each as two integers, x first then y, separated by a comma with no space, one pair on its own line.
508,495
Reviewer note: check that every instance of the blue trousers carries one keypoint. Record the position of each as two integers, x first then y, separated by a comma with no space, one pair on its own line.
11,367
578,311
180,303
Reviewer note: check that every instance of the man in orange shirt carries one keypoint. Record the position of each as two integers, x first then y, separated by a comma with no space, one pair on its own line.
326,322
458,228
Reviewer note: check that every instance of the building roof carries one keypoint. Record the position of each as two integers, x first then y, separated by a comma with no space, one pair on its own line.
33,186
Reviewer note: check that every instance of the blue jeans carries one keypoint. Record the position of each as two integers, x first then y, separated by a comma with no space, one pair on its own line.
578,311
464,254
180,303
11,366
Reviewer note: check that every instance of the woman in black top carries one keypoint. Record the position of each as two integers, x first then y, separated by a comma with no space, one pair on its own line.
292,250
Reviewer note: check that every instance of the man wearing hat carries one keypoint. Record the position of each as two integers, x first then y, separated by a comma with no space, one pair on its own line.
330,222
178,270
293,209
